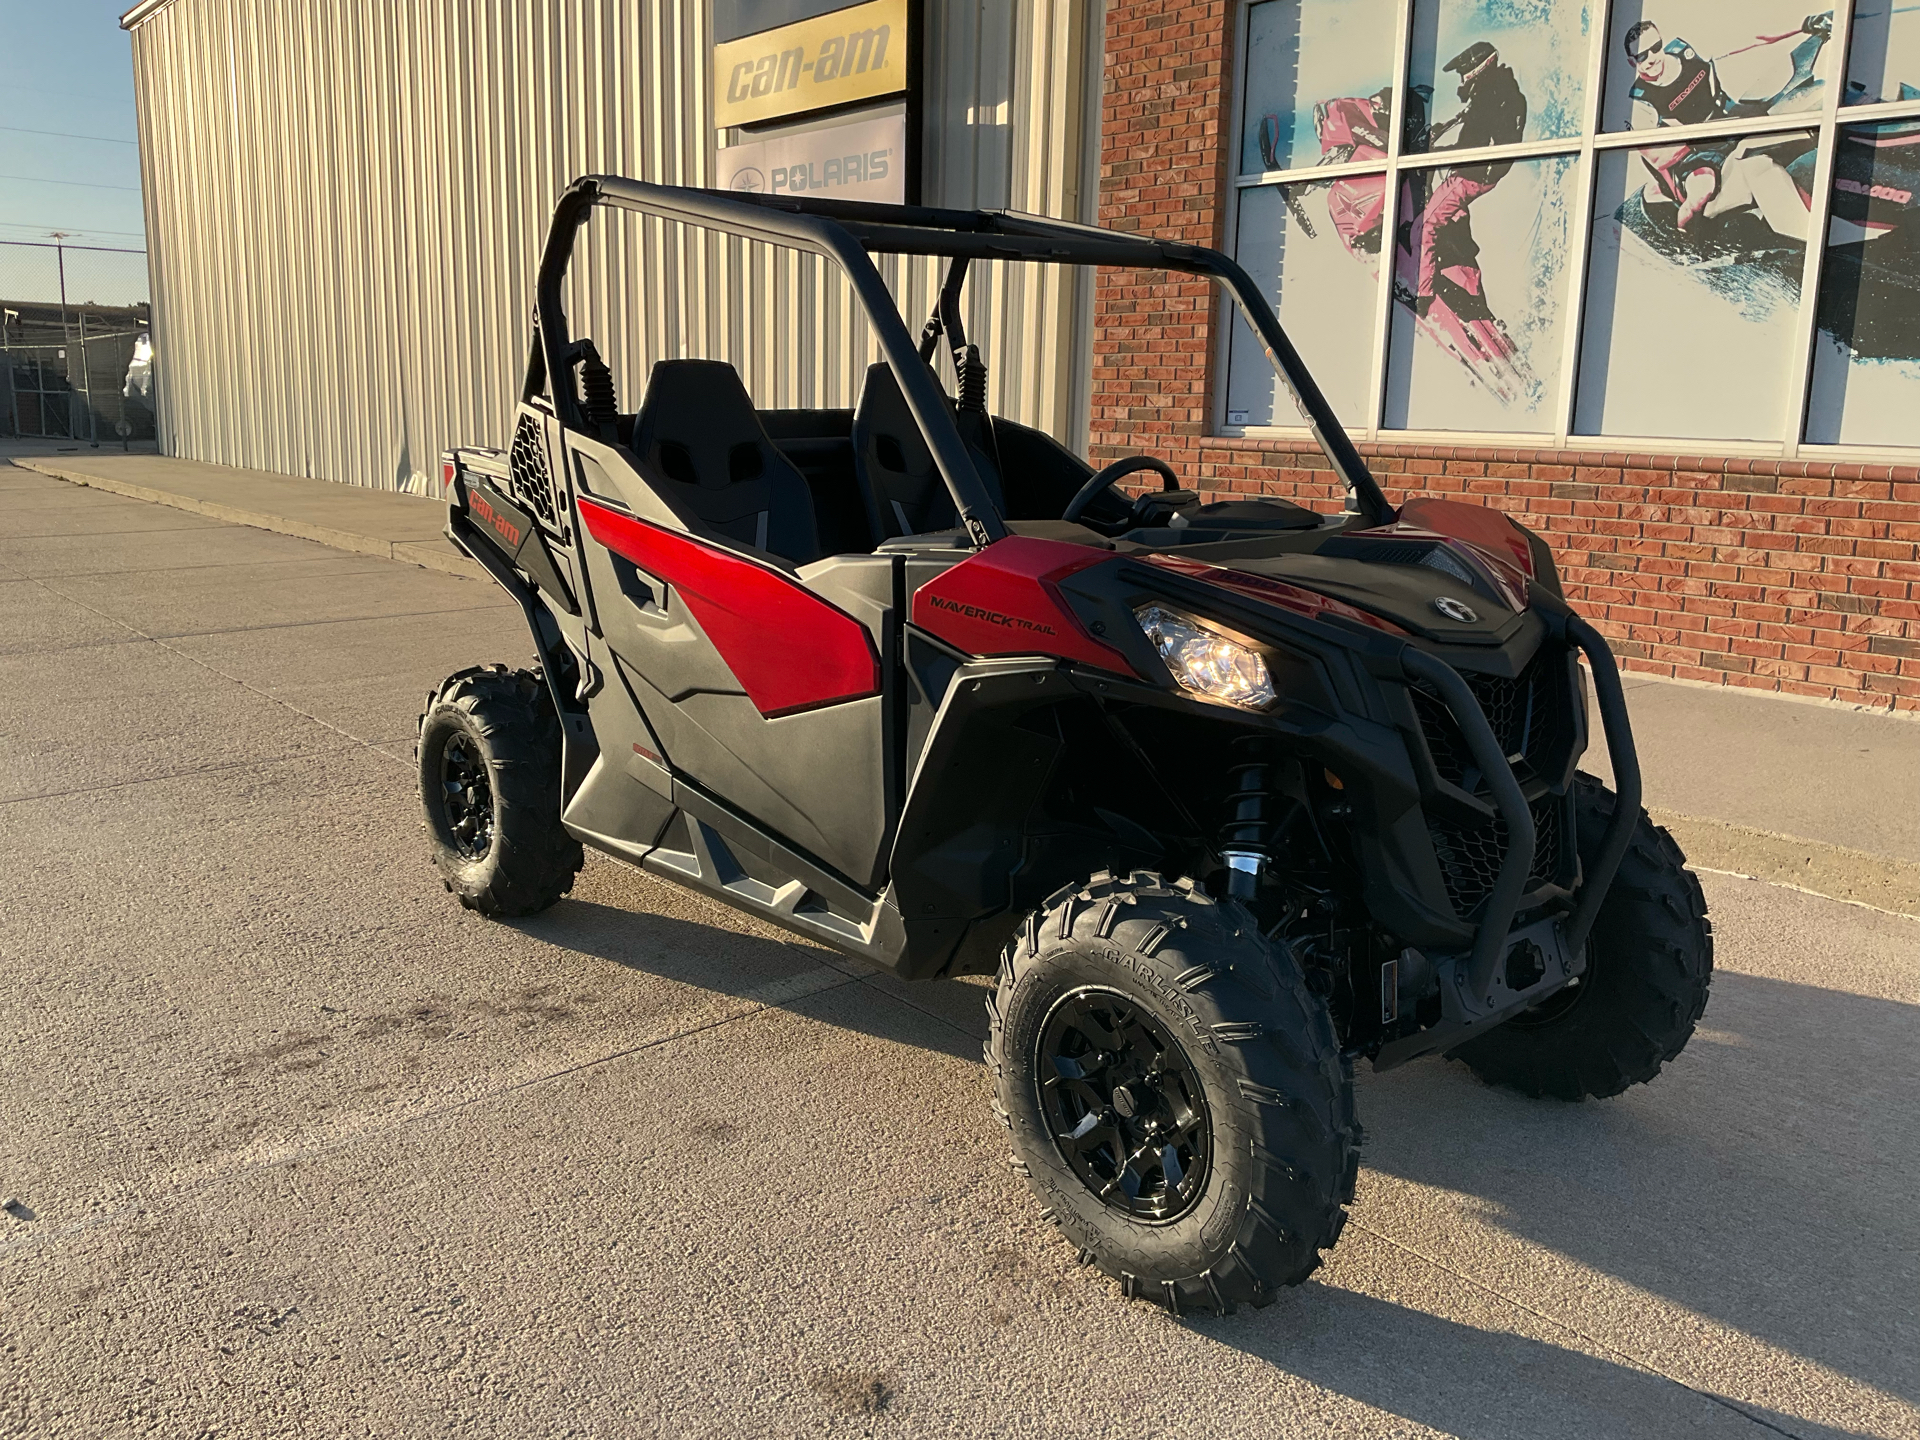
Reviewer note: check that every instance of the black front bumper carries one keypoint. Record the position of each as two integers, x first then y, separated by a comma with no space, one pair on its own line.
1474,987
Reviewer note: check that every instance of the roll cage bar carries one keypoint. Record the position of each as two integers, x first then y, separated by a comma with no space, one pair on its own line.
848,232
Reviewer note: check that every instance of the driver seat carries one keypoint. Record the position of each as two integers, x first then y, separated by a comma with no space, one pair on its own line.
901,485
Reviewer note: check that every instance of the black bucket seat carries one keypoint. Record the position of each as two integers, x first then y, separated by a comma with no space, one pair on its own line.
898,479
704,447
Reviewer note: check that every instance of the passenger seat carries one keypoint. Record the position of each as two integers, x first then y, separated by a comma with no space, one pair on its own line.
898,479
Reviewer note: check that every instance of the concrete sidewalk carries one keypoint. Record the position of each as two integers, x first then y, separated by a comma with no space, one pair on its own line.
346,517
1823,797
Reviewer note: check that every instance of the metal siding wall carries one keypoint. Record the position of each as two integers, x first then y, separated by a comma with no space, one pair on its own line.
345,205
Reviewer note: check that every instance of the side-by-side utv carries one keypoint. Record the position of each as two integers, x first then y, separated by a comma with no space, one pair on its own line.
1228,794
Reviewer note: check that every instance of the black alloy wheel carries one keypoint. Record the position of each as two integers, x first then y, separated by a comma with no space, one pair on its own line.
468,797
1124,1104
1175,1094
489,762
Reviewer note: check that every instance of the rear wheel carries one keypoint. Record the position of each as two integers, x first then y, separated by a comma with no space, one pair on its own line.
489,756
1649,964
1176,1095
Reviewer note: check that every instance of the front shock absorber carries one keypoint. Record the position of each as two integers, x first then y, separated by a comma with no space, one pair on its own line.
1246,840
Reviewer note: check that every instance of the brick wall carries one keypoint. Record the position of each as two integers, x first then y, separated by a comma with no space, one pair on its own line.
1802,577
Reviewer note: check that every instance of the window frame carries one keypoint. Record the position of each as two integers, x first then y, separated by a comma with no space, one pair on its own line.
1832,116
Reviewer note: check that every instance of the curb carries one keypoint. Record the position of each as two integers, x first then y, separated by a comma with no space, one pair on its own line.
1854,877
431,555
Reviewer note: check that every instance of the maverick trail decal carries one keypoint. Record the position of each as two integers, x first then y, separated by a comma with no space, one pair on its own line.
992,617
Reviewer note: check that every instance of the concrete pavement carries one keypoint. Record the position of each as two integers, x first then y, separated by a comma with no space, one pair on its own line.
345,517
297,1147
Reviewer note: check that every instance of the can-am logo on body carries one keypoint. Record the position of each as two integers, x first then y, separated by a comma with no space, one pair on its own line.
506,529
1454,610
992,617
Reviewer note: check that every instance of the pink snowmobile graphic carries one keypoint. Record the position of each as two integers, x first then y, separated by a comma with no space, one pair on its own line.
1458,318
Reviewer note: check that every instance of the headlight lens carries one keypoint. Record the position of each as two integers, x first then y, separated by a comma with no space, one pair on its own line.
1205,661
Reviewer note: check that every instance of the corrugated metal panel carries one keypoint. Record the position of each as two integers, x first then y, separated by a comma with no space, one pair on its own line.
345,204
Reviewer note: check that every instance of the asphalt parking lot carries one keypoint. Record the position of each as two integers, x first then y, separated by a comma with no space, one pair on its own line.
296,1147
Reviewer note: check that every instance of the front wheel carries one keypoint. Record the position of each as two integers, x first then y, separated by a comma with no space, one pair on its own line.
1649,964
1177,1096
489,756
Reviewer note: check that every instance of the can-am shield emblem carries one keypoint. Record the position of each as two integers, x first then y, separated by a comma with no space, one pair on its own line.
1454,610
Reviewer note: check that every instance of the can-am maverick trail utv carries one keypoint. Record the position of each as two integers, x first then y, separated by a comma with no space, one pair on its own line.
1228,794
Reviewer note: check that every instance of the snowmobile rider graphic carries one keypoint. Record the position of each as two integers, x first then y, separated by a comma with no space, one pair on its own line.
1675,85
1349,128
1495,114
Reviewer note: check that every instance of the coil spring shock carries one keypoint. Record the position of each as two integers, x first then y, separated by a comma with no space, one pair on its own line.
596,381
973,381
1246,840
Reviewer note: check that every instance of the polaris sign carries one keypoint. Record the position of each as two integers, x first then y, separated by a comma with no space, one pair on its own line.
861,161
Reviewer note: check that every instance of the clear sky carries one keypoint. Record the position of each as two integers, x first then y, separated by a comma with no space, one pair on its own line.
68,69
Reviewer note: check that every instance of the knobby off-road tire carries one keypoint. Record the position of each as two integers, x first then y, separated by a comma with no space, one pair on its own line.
1281,1143
1649,964
489,755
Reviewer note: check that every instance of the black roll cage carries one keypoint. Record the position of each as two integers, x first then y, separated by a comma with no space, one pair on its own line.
848,232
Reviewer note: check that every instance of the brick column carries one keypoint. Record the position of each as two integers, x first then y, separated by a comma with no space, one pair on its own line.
1163,172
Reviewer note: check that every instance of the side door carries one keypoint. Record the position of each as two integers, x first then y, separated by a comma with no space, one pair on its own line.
762,684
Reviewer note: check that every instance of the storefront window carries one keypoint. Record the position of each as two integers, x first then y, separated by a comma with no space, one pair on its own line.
1481,287
1322,241
1691,62
1681,264
1866,359
1301,56
1884,59
1495,72
1693,287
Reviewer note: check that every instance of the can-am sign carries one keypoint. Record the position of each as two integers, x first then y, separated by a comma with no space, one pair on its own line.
841,162
834,59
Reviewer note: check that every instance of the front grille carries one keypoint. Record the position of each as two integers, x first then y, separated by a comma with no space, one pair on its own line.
1524,714
1470,854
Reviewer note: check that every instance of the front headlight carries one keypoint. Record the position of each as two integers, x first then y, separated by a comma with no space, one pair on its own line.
1205,661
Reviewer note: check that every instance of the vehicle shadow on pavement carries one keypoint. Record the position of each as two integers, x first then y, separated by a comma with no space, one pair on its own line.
1763,1180
1479,1384
939,1015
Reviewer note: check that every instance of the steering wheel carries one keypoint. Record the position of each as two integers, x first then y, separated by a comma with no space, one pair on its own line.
1103,478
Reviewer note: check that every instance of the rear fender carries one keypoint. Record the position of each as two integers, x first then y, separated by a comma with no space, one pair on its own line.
579,748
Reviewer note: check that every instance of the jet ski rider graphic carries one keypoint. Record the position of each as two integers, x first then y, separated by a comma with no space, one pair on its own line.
1675,85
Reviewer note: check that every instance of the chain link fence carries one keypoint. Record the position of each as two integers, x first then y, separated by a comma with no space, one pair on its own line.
76,354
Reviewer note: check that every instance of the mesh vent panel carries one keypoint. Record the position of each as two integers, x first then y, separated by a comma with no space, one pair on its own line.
527,464
1470,855
1523,714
